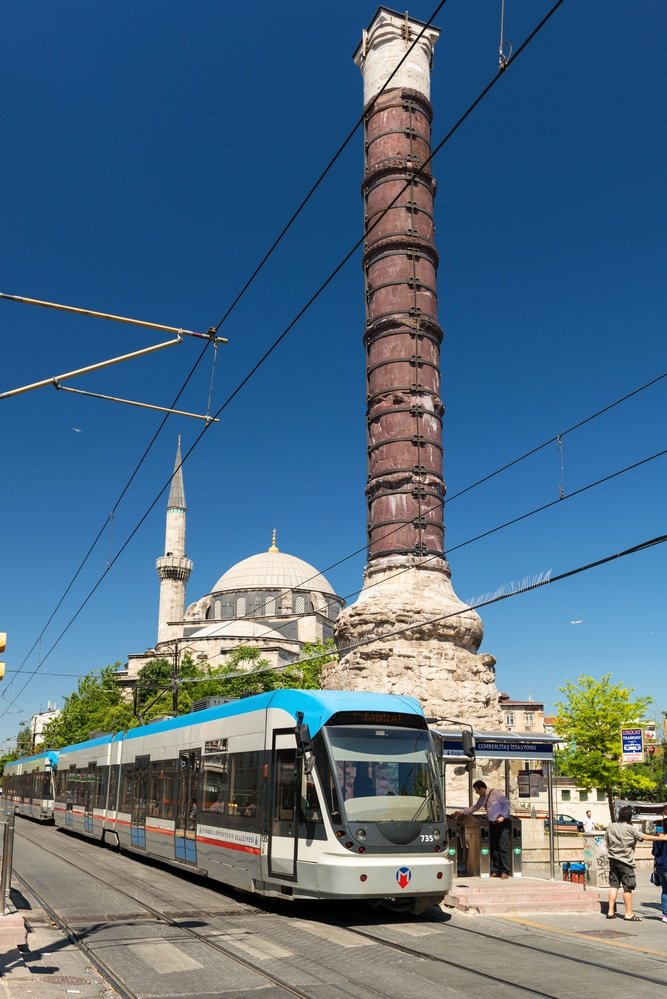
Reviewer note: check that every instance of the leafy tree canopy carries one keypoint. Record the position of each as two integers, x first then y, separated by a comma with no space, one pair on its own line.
589,721
243,673
97,705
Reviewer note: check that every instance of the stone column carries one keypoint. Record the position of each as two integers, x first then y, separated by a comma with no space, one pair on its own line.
407,581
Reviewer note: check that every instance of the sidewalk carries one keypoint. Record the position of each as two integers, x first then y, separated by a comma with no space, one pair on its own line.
34,954
649,936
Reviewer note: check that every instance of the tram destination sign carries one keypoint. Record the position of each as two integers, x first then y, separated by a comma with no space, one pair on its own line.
385,718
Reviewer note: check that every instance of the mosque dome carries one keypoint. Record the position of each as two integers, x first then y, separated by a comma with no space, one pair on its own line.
271,570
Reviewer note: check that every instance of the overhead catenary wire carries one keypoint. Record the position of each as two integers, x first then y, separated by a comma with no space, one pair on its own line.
497,598
322,287
110,517
212,333
288,225
398,572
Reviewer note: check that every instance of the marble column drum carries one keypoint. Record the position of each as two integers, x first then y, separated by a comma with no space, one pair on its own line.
407,581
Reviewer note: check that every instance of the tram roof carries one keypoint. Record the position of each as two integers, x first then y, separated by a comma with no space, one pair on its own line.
318,706
49,754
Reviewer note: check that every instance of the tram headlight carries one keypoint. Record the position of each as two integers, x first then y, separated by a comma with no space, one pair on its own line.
361,834
435,833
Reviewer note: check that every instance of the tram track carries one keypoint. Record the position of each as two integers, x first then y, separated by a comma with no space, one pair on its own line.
463,965
585,962
107,972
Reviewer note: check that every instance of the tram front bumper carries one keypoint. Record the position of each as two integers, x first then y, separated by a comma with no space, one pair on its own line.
379,877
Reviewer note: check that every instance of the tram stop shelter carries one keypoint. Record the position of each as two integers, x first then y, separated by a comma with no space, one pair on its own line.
462,749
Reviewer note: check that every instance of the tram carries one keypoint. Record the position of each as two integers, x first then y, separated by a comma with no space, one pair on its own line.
293,793
28,785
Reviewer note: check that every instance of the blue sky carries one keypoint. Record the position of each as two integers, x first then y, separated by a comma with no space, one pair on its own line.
152,153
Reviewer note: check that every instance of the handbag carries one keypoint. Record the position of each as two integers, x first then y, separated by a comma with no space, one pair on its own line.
654,879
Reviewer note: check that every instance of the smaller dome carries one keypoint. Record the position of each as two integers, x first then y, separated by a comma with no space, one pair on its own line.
272,570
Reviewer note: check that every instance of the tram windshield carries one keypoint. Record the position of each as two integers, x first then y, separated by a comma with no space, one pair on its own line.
385,775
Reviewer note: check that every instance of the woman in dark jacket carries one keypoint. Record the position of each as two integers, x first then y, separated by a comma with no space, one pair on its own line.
660,855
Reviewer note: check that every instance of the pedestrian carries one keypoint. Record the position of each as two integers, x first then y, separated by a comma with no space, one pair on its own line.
621,838
660,861
589,825
498,813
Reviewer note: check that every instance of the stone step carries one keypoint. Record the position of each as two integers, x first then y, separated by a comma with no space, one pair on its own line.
489,896
491,907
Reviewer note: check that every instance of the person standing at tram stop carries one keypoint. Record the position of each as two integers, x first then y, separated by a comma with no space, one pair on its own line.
498,813
621,838
660,861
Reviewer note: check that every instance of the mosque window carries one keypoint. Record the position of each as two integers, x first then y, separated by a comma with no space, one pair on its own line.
270,606
227,607
240,607
299,604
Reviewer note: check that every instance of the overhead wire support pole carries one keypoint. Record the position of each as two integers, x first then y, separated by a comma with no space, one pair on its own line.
210,335
132,402
55,379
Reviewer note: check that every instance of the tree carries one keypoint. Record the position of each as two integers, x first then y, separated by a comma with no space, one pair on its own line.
307,673
97,705
590,721
243,673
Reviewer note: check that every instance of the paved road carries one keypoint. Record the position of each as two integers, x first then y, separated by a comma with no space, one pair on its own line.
218,943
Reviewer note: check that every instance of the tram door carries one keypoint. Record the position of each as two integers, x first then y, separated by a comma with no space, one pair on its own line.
187,806
139,802
90,797
284,825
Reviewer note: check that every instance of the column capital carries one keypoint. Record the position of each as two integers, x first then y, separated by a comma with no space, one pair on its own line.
383,45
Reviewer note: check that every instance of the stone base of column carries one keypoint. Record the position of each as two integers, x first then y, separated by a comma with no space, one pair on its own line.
435,661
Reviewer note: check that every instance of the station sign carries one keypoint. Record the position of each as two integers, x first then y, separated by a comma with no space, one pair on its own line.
632,745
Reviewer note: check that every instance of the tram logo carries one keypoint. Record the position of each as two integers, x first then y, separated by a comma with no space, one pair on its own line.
403,877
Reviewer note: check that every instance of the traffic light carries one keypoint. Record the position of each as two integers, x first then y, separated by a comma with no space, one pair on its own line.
3,645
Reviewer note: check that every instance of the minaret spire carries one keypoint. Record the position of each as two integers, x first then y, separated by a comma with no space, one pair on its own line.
174,567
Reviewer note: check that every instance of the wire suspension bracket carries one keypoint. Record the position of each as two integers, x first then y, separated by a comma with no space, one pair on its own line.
56,380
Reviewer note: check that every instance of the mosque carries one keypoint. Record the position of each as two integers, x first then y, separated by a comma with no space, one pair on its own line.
271,601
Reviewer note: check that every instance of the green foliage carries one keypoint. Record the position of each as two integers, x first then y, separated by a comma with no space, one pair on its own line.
307,675
164,684
589,721
96,706
243,673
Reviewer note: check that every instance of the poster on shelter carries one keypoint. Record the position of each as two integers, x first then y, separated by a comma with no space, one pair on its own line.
530,783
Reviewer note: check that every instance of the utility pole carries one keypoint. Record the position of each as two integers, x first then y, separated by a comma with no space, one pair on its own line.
174,689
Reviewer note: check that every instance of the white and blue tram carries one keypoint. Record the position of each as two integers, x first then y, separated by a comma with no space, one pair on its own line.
28,785
303,794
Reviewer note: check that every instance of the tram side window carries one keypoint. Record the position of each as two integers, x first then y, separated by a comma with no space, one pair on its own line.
126,787
161,789
244,785
215,785
47,786
155,781
169,785
113,786
70,787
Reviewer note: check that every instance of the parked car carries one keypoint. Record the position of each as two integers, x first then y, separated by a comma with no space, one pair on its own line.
565,824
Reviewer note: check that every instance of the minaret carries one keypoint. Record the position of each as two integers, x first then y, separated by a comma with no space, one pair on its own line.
174,567
407,578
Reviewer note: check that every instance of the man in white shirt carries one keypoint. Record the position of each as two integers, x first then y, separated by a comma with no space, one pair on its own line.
589,825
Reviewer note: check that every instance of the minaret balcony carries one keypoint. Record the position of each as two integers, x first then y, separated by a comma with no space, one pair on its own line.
174,567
